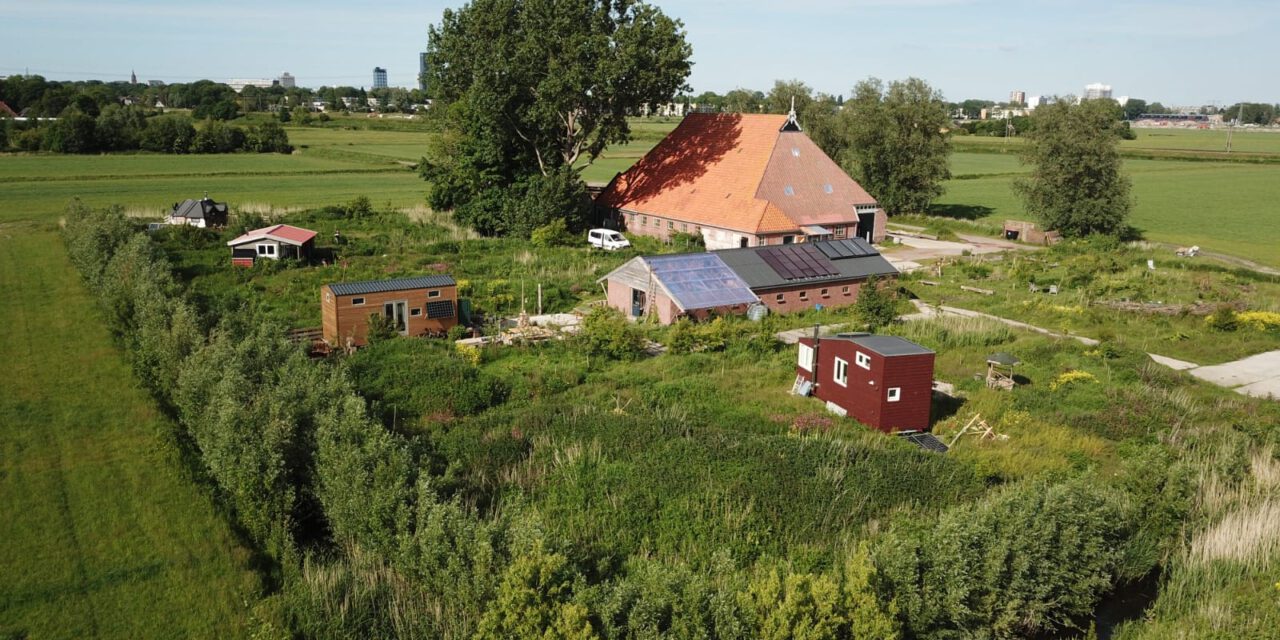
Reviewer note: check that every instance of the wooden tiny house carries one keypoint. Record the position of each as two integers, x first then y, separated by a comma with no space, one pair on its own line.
420,306
884,382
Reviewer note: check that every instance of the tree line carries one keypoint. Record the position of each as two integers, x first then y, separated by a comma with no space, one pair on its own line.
132,128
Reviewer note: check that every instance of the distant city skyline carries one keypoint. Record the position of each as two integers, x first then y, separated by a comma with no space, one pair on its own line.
1175,52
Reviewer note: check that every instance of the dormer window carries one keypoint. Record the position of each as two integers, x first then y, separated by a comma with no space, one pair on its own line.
789,191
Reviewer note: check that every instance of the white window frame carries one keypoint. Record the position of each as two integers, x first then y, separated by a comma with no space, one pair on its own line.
840,372
863,360
267,250
894,394
434,293
357,302
806,357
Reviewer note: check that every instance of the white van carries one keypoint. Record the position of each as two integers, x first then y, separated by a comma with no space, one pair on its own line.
607,239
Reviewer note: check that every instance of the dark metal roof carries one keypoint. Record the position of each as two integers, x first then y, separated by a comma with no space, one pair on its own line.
398,284
1003,358
197,209
884,345
849,259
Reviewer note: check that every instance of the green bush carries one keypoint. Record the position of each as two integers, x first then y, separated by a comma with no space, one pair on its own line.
606,333
553,234
1223,319
1030,559
876,306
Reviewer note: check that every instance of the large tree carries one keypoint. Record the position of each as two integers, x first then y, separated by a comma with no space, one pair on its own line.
895,142
1076,186
531,88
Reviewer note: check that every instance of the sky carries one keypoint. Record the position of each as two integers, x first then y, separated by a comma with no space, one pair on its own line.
1176,52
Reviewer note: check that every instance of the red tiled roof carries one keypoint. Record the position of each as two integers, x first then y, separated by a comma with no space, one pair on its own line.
282,232
6,111
732,171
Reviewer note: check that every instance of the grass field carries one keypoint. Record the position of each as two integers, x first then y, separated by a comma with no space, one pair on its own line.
1243,141
103,535
1224,207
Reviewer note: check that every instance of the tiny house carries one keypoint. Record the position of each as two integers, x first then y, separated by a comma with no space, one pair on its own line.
272,243
884,382
420,306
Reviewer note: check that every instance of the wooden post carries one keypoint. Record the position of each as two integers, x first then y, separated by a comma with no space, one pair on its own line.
540,298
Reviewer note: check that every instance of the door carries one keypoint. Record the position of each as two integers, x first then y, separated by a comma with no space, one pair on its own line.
398,313
867,226
637,302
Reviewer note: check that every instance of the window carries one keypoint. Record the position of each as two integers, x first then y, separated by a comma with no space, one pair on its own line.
838,232
788,239
644,221
684,227
266,249
841,375
433,294
671,224
355,302
825,294
788,190
844,290
827,188
795,151
806,358
895,394
804,295
781,297
863,360
415,312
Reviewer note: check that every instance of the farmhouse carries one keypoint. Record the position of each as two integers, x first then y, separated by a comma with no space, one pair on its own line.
795,277
741,180
669,287
884,382
272,243
419,306
198,213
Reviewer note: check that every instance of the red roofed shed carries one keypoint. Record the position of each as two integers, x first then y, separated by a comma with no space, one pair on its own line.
274,242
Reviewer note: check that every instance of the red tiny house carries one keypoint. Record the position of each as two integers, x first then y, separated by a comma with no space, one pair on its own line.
884,382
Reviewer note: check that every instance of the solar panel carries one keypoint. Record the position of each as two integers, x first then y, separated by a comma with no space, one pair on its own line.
926,441
798,261
841,249
440,309
700,281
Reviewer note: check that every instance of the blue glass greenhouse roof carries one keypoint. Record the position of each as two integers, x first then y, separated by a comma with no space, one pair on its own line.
700,281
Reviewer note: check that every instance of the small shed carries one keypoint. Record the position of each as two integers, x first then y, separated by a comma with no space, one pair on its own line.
884,382
272,243
1029,233
671,286
1000,370
201,213
417,306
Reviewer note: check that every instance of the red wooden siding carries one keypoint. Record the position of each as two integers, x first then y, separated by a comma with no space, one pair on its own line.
865,395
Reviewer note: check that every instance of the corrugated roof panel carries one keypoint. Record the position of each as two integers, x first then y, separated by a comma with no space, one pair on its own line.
398,284
700,281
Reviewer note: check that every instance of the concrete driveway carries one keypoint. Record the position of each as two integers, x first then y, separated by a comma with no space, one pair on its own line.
1257,375
918,249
